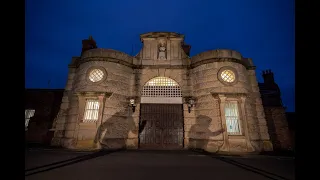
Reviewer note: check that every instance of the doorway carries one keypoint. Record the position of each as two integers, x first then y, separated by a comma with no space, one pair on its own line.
163,127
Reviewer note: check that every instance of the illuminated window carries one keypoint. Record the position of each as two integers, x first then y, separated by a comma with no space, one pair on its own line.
232,118
228,76
91,112
28,113
161,87
161,81
96,75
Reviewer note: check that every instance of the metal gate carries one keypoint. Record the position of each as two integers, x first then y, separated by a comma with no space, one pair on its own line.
163,126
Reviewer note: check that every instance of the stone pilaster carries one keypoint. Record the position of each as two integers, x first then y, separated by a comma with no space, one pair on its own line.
189,121
225,146
133,134
266,144
59,122
245,124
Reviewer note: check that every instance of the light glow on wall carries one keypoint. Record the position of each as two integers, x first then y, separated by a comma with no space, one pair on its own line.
28,113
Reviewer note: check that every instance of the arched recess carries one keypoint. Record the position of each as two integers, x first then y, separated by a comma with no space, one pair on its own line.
161,90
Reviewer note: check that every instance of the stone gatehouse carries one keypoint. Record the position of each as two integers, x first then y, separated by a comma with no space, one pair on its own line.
161,99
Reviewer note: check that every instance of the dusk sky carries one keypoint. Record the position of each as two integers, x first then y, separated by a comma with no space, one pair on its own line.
259,29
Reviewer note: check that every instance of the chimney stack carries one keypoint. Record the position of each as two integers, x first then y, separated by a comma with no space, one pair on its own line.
88,44
268,76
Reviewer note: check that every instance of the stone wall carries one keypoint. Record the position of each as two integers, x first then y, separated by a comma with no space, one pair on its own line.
197,77
278,128
181,76
211,95
256,118
61,118
115,114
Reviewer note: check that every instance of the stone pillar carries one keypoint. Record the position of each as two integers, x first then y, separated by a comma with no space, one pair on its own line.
101,98
225,146
189,120
245,124
132,141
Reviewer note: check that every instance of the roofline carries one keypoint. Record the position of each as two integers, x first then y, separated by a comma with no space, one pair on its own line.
42,89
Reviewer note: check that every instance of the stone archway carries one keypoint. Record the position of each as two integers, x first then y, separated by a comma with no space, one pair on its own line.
161,114
161,90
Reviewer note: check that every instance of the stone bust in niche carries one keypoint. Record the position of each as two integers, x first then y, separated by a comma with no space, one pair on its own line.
162,55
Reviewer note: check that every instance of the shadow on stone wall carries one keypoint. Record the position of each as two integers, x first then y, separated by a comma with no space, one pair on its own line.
272,130
200,133
114,132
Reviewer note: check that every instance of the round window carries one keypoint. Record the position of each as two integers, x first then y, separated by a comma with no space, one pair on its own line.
228,76
96,75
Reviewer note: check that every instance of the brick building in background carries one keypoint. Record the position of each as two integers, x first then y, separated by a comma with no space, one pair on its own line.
275,113
41,108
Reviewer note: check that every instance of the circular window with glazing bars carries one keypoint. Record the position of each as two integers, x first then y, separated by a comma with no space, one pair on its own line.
96,74
228,75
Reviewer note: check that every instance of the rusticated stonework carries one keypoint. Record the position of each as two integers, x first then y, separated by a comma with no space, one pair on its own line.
204,124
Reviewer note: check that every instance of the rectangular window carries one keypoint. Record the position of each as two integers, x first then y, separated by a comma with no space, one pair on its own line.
91,111
28,113
232,118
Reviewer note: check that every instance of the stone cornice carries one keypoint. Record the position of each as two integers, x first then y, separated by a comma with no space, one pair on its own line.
119,61
226,94
106,53
218,53
251,68
125,63
211,60
129,63
161,66
161,34
193,65
72,66
94,93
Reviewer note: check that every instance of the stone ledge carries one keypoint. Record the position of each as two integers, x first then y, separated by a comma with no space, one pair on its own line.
85,144
235,137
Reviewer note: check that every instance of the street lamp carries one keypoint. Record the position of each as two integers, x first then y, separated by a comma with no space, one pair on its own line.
132,104
190,104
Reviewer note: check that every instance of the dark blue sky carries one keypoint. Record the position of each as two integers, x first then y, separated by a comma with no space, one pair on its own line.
260,29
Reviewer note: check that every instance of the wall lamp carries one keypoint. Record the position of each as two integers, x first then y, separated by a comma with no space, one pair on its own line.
190,104
132,104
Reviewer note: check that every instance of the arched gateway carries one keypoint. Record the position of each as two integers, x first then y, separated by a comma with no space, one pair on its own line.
162,113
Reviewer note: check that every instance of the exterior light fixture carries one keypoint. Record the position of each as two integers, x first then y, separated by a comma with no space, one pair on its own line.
190,104
132,104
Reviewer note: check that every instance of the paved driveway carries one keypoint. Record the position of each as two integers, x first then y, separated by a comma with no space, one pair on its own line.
152,165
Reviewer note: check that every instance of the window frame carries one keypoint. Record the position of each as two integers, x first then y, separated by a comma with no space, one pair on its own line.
234,100
84,120
230,69
89,70
27,119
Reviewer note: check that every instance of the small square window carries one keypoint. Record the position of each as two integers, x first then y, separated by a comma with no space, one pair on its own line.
91,112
